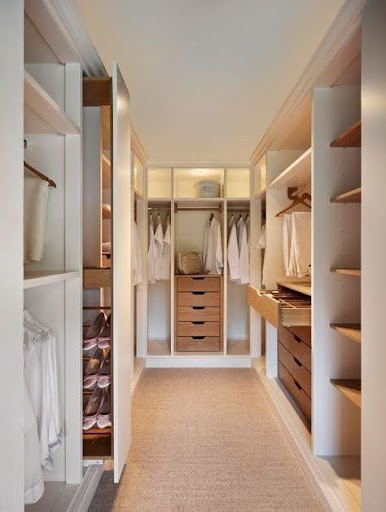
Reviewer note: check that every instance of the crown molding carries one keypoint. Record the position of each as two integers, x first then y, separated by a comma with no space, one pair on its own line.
138,147
61,26
342,30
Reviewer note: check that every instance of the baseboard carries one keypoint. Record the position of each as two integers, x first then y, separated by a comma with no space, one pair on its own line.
330,488
137,376
201,361
85,493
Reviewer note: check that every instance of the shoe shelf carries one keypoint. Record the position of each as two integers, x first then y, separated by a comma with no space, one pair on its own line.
94,278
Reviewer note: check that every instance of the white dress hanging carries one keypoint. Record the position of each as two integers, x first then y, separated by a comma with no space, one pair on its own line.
233,252
159,245
213,259
151,255
165,258
137,256
301,243
243,251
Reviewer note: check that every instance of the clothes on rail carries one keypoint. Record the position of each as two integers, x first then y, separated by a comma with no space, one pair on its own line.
233,251
297,244
41,377
166,254
35,217
238,250
136,255
212,253
262,240
159,252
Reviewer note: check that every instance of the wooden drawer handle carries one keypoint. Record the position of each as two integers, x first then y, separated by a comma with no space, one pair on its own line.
296,338
198,278
198,307
198,323
198,337
198,293
297,385
297,361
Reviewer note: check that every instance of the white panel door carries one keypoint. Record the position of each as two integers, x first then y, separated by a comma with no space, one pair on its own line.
121,257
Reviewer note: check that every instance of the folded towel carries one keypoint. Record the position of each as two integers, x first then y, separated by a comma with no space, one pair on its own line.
35,217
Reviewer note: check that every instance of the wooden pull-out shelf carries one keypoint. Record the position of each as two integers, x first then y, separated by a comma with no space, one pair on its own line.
280,308
95,278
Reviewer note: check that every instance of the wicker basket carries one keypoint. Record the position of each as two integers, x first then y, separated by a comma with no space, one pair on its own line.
207,188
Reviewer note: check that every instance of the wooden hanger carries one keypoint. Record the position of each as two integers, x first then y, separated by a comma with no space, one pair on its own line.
40,175
297,200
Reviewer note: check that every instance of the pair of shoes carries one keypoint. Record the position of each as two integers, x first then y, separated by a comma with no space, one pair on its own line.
98,334
97,371
98,410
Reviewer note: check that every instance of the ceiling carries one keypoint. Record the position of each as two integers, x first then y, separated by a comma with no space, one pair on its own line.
206,77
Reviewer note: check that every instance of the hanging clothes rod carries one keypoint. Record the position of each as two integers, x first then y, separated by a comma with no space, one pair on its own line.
40,175
197,208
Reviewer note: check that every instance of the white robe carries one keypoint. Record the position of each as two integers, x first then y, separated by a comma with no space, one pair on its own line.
35,217
233,252
243,251
137,255
301,243
287,246
151,254
159,245
213,259
165,258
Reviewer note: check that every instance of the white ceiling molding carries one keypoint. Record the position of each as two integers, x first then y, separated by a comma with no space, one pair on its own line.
343,29
61,26
199,165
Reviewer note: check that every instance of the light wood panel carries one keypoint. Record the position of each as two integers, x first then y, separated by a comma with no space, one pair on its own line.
350,389
304,288
96,91
95,278
352,196
347,271
351,138
352,331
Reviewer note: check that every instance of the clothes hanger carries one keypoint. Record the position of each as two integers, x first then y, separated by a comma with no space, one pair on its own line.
40,175
297,200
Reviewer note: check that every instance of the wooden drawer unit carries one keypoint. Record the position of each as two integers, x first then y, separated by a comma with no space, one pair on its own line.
201,313
281,307
198,343
94,278
302,332
294,388
198,298
198,328
300,350
198,283
295,368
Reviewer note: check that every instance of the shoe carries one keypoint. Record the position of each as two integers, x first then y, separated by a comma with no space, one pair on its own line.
92,409
104,338
103,379
90,339
104,413
90,374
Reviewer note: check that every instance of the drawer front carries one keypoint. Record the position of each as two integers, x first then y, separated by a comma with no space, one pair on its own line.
302,332
198,328
264,304
198,344
295,368
295,346
298,315
198,284
190,314
210,299
297,393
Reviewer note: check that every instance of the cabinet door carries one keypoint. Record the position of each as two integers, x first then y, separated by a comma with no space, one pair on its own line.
121,255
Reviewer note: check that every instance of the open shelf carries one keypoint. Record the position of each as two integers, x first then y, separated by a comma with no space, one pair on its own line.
350,389
352,331
158,348
347,271
199,202
352,196
238,348
298,174
94,278
304,288
32,279
42,114
351,138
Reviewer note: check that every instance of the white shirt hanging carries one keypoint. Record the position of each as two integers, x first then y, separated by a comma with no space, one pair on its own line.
301,243
248,225
287,246
151,255
243,251
137,255
213,259
262,240
165,258
159,245
233,252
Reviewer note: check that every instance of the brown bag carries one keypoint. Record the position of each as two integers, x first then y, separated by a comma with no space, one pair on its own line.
189,263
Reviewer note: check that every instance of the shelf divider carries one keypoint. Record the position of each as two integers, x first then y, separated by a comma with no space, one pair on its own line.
350,389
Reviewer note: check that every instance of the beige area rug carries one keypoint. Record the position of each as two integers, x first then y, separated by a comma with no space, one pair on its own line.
206,440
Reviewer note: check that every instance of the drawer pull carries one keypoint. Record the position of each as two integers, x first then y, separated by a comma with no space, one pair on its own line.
198,307
297,362
198,293
297,384
198,337
198,278
198,323
296,338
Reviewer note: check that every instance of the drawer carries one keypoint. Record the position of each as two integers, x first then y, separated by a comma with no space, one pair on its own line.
295,368
211,299
280,308
190,314
302,332
198,344
198,284
295,346
295,390
198,328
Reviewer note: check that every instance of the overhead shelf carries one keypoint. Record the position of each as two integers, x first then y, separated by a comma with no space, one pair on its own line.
350,389
32,279
42,114
351,138
298,174
352,331
352,196
347,271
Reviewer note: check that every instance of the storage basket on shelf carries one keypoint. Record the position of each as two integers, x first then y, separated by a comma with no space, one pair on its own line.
207,188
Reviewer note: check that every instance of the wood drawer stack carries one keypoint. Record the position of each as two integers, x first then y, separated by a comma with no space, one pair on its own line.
294,365
198,313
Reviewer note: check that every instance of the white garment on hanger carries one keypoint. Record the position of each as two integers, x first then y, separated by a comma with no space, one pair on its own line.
301,243
287,245
213,260
233,252
159,245
151,255
243,251
262,240
165,258
35,217
247,225
137,255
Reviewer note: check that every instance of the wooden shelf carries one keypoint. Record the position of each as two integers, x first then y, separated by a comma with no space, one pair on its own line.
106,156
42,114
97,431
347,271
350,388
32,279
352,331
106,211
304,288
352,196
298,174
351,138
94,278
